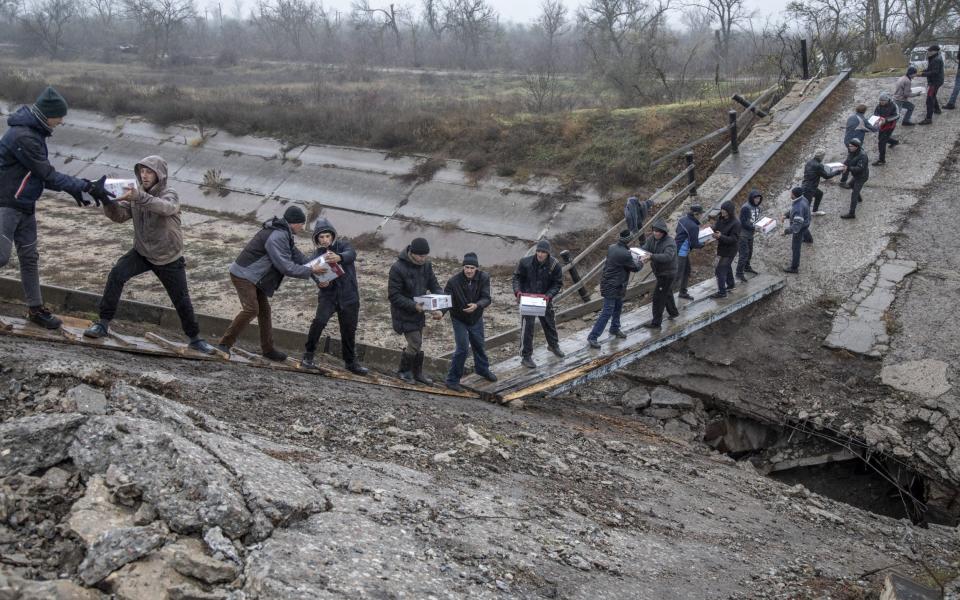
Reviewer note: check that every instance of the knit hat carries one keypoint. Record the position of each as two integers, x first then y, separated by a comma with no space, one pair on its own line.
819,153
797,192
856,142
659,225
470,260
51,104
861,108
625,235
934,48
420,246
884,97
543,246
911,70
695,209
294,215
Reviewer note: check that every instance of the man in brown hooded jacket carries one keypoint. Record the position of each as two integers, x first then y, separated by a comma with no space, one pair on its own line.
154,209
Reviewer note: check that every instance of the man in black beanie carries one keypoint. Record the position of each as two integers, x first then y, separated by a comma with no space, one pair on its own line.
25,172
469,290
538,274
934,75
613,288
257,273
411,276
798,224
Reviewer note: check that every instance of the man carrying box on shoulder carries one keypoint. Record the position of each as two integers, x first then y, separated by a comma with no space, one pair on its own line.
469,291
613,288
340,296
538,274
410,276
663,263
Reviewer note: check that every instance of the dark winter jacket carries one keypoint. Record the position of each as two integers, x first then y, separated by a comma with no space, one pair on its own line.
408,280
25,170
463,291
857,128
799,215
934,70
269,256
750,213
533,277
729,230
890,113
813,172
858,164
663,259
688,230
616,271
635,213
344,290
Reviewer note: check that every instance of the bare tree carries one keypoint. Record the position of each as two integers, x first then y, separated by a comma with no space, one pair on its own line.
473,21
553,22
923,16
728,15
46,20
105,11
287,21
160,19
380,19
434,16
832,26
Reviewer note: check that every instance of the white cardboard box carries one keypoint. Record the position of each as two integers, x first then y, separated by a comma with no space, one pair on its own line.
875,120
639,255
706,235
434,301
834,166
533,305
766,225
917,89
118,187
334,270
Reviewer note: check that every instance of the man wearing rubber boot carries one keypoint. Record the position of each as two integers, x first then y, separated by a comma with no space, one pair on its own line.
411,276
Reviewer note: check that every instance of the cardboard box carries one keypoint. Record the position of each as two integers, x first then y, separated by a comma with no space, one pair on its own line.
432,302
875,120
533,305
118,187
639,255
706,235
918,89
334,270
766,225
834,167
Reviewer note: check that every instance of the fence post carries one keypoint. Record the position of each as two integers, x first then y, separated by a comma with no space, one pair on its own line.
575,275
734,147
692,175
803,59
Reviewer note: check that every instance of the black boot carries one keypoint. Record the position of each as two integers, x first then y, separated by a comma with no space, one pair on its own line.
404,372
418,370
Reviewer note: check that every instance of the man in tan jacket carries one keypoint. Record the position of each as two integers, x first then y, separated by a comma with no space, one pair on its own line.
157,246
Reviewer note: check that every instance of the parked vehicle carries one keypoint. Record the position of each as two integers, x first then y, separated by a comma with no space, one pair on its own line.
918,56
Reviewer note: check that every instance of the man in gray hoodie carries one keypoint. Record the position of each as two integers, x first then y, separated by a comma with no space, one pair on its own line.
154,209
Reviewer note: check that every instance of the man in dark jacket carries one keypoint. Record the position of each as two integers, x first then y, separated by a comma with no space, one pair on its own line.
888,110
934,75
538,274
687,239
727,233
798,218
856,129
411,276
813,172
635,214
663,263
25,172
858,165
613,288
340,296
750,213
469,291
257,273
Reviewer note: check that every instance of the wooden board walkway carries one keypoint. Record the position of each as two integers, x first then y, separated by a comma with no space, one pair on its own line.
556,375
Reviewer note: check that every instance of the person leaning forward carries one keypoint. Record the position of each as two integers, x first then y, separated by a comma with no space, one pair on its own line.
613,288
154,209
813,171
340,296
411,276
538,274
469,291
257,273
663,263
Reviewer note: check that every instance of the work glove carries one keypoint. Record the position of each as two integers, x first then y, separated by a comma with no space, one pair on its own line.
79,199
98,192
517,296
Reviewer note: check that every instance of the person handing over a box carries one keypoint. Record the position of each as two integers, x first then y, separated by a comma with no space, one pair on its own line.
411,276
538,274
613,287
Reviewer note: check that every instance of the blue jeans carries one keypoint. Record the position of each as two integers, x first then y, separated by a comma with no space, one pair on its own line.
956,89
467,337
612,307
907,107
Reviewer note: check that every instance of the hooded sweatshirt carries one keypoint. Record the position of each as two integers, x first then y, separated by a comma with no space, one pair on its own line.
25,170
156,216
616,271
729,229
890,113
269,256
344,290
857,128
750,213
663,259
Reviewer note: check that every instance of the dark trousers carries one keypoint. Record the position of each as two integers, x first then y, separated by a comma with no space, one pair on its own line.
856,186
348,317
663,298
932,103
468,337
173,276
796,244
883,139
907,107
744,255
612,307
816,194
254,304
724,273
683,272
549,324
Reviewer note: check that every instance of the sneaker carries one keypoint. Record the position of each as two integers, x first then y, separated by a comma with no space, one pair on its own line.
275,356
593,343
751,271
878,163
936,110
819,213
927,121
742,278
358,369
718,295
556,350
202,346
651,325
848,216
673,317
845,185
908,123
488,376
95,331
685,296
42,316
730,286
528,362
618,333
950,106
454,386
307,362
223,348
790,270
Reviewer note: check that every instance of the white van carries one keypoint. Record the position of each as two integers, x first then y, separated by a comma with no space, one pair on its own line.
918,56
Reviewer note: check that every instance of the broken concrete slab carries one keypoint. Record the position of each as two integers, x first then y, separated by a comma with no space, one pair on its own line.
665,397
37,442
87,400
898,587
94,514
190,559
115,548
927,377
